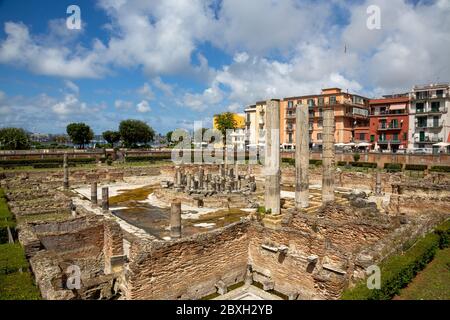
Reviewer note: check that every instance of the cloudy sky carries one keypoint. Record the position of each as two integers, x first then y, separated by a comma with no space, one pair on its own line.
172,62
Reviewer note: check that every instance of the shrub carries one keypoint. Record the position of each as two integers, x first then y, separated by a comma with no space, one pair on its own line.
315,162
289,161
363,164
43,163
393,167
397,271
342,163
148,158
416,167
356,157
443,231
440,168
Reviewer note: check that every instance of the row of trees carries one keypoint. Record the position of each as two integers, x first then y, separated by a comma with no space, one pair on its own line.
130,132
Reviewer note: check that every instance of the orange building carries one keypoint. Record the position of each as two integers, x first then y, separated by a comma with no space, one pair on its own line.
351,114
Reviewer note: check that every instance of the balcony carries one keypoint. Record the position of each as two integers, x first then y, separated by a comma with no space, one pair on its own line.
389,141
427,139
438,125
383,127
431,111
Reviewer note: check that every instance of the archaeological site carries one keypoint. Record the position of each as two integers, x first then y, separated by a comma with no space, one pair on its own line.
268,229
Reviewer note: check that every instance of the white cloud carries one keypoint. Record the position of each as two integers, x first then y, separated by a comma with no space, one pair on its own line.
20,48
200,102
69,105
122,104
146,91
143,107
164,87
72,86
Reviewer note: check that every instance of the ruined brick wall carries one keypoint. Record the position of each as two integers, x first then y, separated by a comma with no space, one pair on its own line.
334,244
188,268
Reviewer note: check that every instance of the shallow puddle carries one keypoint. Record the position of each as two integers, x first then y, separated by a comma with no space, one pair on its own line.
155,220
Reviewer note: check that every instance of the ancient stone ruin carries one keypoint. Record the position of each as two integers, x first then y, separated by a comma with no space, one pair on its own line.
208,231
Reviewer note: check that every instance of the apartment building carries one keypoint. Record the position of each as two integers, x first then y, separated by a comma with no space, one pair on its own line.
429,117
351,114
255,122
389,122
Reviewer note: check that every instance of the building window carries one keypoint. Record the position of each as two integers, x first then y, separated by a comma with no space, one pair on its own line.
320,101
290,138
332,99
290,104
395,136
419,107
435,106
310,102
319,136
372,138
320,123
362,136
405,136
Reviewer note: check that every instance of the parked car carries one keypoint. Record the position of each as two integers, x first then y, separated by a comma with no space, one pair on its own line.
422,151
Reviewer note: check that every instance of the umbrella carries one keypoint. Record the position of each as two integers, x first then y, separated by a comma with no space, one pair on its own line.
351,144
364,144
441,144
340,144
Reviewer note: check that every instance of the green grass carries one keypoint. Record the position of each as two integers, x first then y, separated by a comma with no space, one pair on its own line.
433,283
12,258
18,286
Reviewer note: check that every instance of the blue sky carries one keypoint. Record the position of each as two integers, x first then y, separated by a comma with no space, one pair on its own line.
170,63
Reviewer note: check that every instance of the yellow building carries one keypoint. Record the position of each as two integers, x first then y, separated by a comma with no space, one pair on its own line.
238,136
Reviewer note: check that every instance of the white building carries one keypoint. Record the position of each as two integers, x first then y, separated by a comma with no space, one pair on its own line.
255,124
429,119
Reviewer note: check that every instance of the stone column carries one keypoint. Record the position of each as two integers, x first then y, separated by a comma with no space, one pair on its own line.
272,157
301,157
177,177
188,181
328,155
94,193
175,219
200,178
66,172
378,184
105,198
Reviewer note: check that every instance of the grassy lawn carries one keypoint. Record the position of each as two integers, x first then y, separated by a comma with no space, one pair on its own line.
18,286
433,283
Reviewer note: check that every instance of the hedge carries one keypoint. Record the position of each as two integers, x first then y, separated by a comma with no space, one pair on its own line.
148,158
6,218
416,167
440,168
342,163
443,231
363,164
393,167
397,271
315,162
46,163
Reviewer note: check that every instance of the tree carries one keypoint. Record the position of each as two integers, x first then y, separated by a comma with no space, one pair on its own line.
80,133
225,121
61,139
169,137
14,139
133,132
111,137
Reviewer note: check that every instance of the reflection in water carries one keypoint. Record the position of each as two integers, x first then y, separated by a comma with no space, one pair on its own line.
155,220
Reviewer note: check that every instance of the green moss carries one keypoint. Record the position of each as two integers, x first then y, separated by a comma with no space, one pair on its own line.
138,194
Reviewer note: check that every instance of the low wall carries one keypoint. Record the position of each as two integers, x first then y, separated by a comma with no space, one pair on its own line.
189,268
